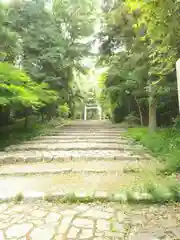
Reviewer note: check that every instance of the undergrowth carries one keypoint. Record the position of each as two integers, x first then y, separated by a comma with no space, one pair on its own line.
165,144
16,133
163,185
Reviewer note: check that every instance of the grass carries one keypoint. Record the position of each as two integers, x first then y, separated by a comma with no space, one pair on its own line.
69,198
164,144
16,133
18,198
160,182
161,189
152,190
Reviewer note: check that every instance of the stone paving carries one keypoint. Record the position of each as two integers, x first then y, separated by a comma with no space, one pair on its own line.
88,155
48,221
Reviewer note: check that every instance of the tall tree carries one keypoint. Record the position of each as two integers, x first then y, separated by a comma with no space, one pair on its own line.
53,39
138,46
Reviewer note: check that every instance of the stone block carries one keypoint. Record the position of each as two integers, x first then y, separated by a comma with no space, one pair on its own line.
83,223
18,230
73,232
120,197
101,195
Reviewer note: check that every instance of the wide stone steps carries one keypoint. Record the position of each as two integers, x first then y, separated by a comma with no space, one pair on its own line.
46,140
65,183
90,130
78,141
55,167
80,137
41,180
70,146
85,159
85,134
36,156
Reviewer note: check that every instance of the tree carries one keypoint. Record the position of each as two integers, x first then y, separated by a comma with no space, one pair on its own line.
141,52
18,91
8,38
53,40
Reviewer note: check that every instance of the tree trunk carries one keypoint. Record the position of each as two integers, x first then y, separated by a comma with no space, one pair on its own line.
26,122
72,109
140,112
152,116
42,117
129,106
5,115
26,115
152,109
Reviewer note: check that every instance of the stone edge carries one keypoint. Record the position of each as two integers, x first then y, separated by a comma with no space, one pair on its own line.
102,196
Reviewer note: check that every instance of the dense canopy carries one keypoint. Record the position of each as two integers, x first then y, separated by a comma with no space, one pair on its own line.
41,48
140,46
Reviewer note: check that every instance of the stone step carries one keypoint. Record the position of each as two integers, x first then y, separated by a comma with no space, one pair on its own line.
82,166
90,140
85,132
81,129
37,156
86,135
65,183
92,125
71,146
90,130
81,137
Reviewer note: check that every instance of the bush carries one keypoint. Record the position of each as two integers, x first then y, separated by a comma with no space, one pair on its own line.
176,125
165,143
163,190
63,110
132,119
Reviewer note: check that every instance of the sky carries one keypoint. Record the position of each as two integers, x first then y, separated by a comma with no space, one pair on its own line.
4,1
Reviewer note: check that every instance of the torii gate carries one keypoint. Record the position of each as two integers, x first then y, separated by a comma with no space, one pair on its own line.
92,106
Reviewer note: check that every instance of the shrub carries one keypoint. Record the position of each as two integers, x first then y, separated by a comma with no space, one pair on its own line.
63,110
165,143
132,119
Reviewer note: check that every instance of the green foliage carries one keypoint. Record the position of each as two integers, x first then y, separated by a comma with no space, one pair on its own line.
164,190
47,43
63,110
8,38
153,188
53,42
16,133
132,119
140,45
77,16
176,125
17,89
18,198
165,143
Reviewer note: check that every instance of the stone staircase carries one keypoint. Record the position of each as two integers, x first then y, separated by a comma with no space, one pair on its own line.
80,140
86,158
83,161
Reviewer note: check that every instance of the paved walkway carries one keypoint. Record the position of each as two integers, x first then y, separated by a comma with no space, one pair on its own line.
93,221
88,156
81,157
